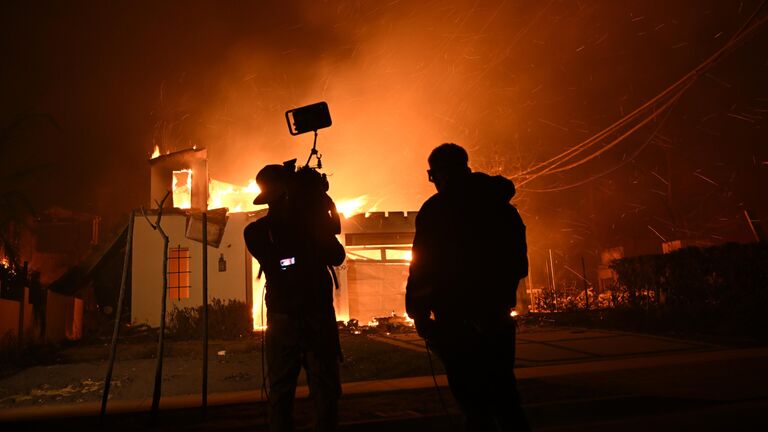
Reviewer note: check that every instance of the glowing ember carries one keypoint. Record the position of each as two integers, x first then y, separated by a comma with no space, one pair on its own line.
155,153
182,189
513,313
351,207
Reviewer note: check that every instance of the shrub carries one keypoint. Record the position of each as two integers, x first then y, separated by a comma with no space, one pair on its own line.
720,289
226,320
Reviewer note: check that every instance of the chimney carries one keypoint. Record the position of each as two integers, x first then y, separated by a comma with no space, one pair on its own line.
162,168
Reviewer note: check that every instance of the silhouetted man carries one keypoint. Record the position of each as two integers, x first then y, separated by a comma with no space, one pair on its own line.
469,253
294,252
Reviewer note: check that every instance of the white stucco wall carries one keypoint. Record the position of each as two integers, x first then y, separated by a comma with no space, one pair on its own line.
147,266
236,283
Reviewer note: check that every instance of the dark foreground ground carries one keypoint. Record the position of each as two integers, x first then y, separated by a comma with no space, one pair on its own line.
569,379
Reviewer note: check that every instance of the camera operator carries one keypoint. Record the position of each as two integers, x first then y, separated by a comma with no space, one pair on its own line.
295,245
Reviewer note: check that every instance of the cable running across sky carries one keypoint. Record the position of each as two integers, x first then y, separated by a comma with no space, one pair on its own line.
643,115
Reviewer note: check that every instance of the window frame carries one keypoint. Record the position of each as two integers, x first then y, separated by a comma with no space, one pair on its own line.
180,288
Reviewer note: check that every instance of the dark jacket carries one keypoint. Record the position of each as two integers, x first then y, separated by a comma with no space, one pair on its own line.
469,251
295,264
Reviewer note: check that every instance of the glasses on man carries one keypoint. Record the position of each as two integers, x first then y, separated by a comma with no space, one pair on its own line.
430,176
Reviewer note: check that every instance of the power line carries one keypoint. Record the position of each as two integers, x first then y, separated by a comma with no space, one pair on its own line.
622,163
552,165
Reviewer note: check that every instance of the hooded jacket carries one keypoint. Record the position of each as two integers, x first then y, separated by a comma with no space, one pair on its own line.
469,251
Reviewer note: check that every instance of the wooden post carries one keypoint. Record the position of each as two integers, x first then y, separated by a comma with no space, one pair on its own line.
22,305
586,287
157,389
205,312
118,316
44,316
161,337
530,286
552,275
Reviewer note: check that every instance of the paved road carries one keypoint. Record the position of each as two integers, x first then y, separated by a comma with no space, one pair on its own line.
569,380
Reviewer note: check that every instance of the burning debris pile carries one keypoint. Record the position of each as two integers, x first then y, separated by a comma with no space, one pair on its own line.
387,324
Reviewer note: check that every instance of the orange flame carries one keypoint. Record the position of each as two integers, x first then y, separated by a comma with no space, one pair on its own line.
408,320
258,311
235,198
155,153
182,189
352,206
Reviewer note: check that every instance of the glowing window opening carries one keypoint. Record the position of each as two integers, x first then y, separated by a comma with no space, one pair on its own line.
385,254
182,189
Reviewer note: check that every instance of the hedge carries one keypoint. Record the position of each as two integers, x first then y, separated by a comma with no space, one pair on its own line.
719,289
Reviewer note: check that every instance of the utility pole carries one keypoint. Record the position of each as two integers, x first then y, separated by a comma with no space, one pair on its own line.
552,275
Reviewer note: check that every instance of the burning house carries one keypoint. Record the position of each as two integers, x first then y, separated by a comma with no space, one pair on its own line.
374,274
371,280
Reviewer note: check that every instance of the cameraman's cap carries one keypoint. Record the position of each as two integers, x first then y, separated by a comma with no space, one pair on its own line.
271,180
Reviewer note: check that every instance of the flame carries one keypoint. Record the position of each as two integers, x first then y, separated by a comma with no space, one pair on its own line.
259,309
408,320
155,153
182,189
235,198
252,187
220,194
240,198
352,206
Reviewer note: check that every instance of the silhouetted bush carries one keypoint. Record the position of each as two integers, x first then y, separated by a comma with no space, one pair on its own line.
226,320
721,289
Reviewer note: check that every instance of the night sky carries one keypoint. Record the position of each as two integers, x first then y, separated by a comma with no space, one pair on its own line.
91,88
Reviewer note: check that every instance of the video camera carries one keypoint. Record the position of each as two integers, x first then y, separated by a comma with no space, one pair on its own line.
307,188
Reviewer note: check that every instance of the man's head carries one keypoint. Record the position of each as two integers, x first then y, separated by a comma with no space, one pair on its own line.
448,165
272,181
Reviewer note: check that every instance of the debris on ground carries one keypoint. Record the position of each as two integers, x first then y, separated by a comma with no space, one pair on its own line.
47,393
379,325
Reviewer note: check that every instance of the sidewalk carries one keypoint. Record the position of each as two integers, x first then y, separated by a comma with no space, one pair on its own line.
542,346
557,369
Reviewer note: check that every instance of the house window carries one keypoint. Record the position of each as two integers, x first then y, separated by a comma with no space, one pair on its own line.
178,272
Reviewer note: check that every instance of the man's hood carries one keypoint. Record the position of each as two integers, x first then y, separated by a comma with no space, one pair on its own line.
494,188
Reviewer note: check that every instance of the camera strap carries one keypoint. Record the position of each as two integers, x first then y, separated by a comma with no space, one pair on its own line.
335,278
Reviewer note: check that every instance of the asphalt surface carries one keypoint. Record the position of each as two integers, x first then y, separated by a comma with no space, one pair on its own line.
634,383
